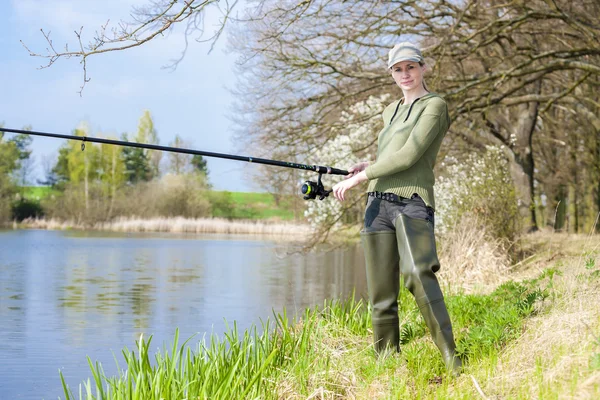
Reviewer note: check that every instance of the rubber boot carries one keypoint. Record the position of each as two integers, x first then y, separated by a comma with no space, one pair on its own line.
383,283
418,264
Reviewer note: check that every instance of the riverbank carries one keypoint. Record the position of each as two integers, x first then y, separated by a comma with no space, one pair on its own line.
178,225
224,204
534,336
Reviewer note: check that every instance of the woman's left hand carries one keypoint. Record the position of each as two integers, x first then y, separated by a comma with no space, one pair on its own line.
339,189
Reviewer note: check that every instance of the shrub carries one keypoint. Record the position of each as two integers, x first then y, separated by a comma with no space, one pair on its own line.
172,195
26,208
479,187
223,205
7,191
182,195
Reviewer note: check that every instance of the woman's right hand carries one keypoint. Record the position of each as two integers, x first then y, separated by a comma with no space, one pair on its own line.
357,168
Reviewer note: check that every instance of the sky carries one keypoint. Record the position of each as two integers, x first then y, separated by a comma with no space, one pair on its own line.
194,101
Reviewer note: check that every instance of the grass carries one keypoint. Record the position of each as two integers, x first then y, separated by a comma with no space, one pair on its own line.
37,192
534,336
262,206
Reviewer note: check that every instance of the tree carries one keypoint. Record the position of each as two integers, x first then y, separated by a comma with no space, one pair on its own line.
77,164
59,175
137,164
147,134
25,169
82,163
22,143
49,177
142,165
199,164
179,163
9,162
112,172
25,161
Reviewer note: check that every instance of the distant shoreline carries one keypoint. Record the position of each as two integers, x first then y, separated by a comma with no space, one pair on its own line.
177,225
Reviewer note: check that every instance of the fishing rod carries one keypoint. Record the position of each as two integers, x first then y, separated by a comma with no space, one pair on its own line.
310,189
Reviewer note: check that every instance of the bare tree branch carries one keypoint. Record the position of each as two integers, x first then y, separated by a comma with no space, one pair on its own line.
150,22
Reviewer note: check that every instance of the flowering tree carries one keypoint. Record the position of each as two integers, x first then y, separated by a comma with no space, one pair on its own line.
353,141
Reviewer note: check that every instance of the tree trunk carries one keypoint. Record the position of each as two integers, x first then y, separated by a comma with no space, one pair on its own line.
561,210
597,219
522,169
113,184
85,178
575,184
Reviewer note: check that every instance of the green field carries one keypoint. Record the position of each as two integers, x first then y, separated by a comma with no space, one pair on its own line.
37,192
263,205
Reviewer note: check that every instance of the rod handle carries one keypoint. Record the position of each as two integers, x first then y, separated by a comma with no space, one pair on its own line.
330,170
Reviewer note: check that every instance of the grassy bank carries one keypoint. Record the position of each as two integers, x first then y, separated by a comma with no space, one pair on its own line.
534,336
263,205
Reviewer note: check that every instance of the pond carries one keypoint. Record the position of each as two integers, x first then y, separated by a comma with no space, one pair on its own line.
65,295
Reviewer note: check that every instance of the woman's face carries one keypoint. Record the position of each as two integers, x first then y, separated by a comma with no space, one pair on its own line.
408,75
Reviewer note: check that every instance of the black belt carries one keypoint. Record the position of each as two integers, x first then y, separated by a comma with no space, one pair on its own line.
387,196
395,198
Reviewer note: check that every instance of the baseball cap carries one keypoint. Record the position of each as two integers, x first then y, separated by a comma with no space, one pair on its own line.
404,51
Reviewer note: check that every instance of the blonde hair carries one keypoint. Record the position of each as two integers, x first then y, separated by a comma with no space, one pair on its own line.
421,63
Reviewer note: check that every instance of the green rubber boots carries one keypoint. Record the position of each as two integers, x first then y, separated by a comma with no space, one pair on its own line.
409,251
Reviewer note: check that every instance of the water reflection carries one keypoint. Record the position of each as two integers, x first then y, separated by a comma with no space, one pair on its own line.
66,295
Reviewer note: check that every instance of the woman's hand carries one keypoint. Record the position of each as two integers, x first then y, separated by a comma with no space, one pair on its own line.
339,189
356,168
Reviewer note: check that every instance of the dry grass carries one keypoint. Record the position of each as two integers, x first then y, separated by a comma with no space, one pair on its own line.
471,261
551,359
181,225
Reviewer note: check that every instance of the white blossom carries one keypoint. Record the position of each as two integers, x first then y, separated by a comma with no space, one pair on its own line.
360,123
483,175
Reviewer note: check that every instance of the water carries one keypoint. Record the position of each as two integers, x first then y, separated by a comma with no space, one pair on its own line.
68,295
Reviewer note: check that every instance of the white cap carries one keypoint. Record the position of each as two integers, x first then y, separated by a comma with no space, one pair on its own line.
404,51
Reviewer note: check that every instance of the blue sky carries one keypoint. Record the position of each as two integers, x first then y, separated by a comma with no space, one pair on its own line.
192,101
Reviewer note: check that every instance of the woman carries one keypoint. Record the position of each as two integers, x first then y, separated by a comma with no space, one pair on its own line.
398,233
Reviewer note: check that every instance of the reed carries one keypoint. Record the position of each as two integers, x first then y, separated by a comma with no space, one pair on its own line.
180,225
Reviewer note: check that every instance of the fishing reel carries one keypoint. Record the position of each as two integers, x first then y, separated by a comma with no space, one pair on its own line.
311,190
